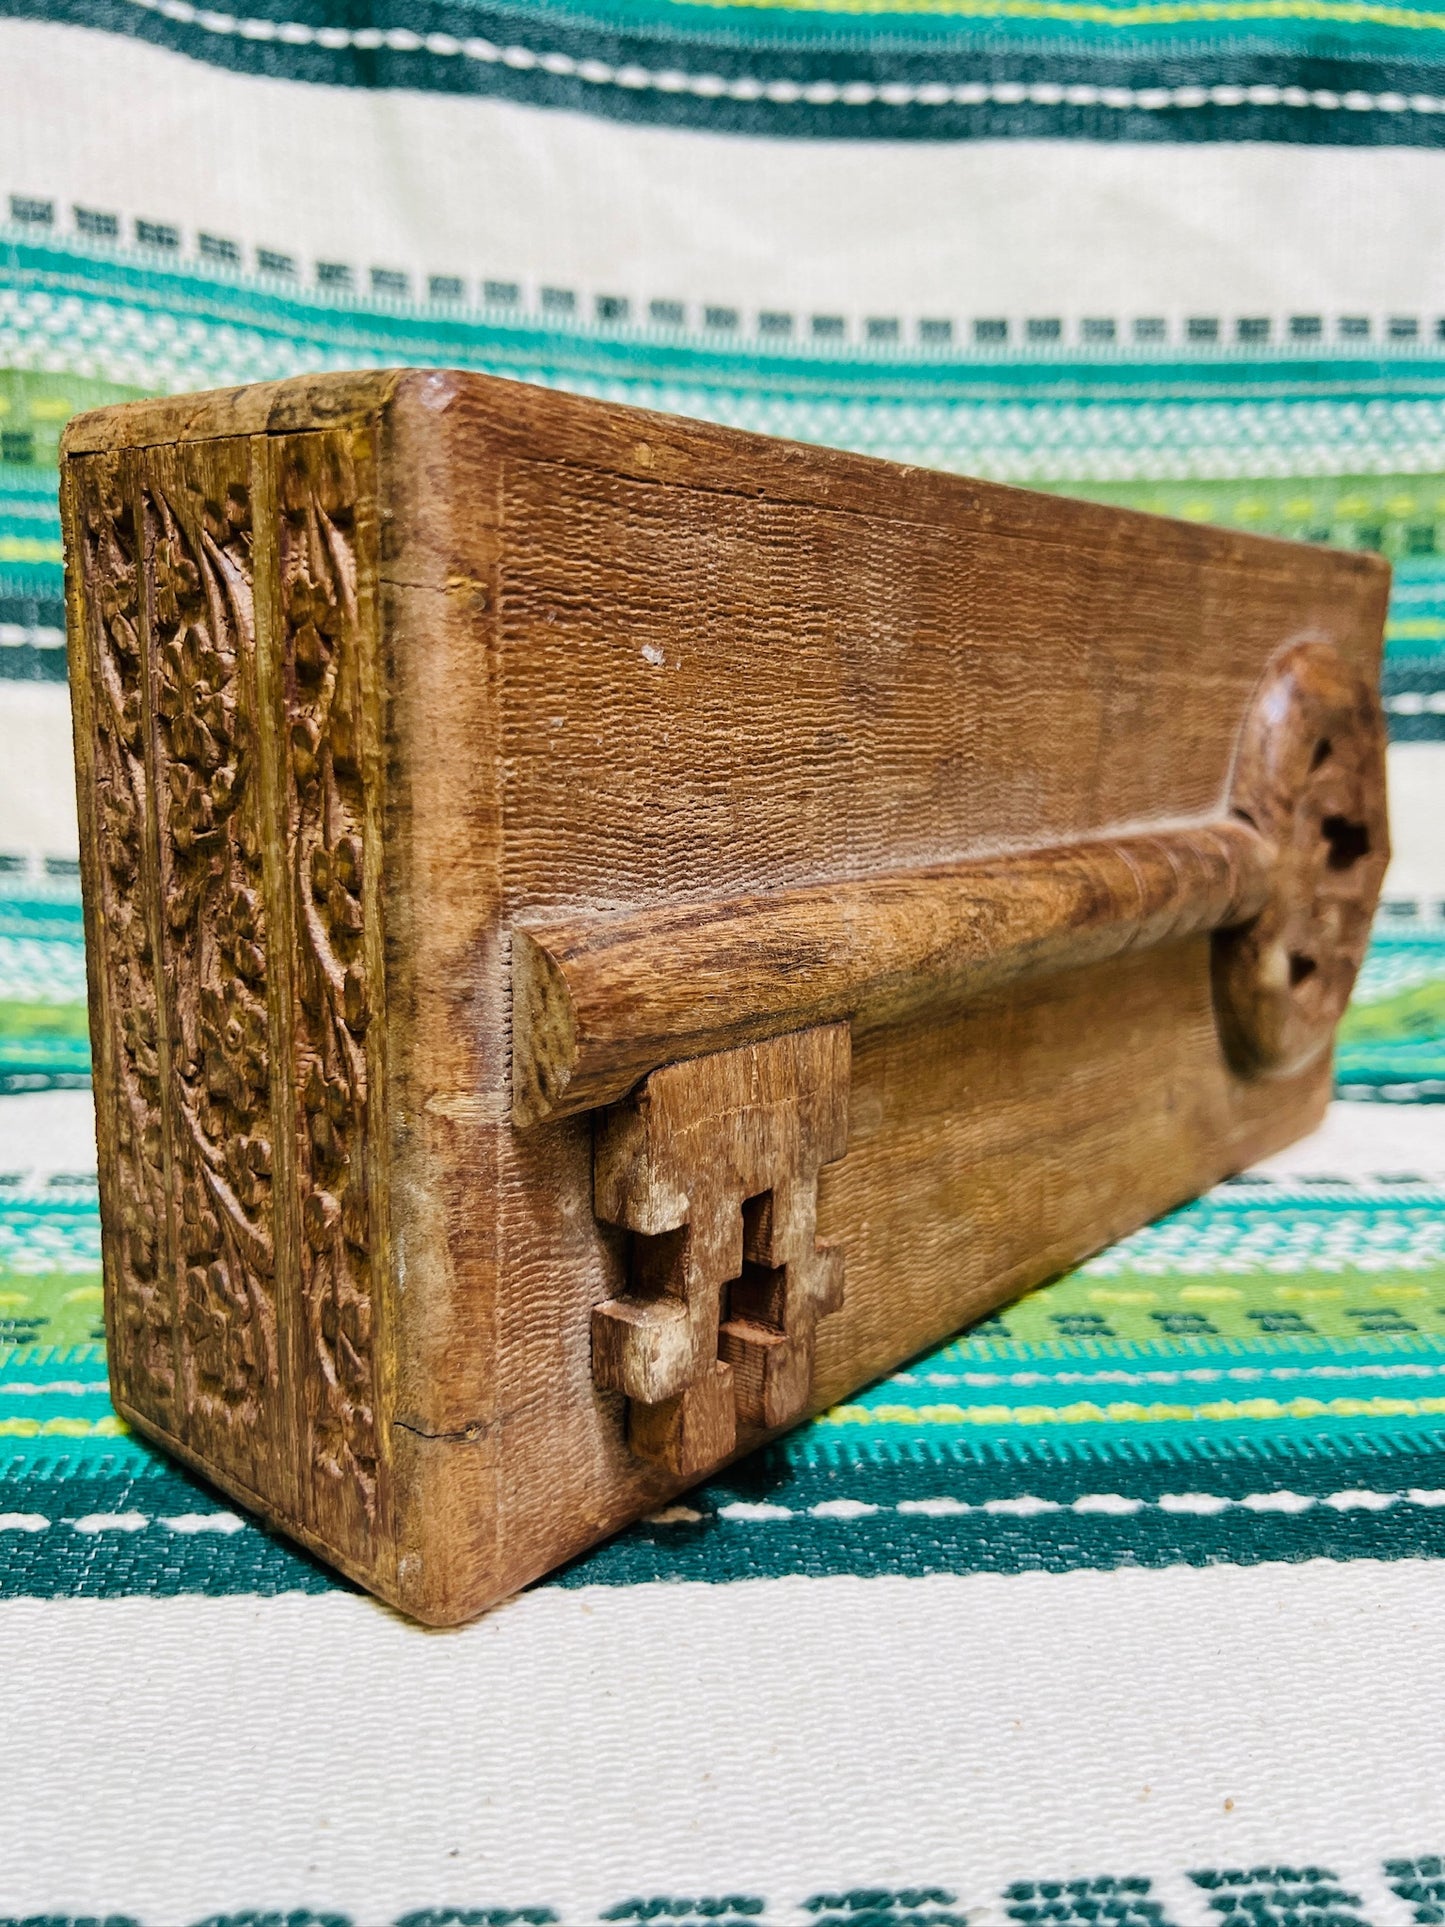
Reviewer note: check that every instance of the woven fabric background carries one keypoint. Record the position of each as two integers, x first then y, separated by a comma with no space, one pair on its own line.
1127,1606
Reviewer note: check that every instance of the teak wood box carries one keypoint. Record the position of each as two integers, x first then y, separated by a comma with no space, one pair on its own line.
607,933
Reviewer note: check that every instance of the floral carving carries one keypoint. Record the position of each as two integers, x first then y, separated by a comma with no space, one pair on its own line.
203,632
330,884
236,919
137,1240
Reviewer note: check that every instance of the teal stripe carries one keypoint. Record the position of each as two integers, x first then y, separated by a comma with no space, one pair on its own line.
1314,78
104,1532
841,25
52,918
1301,1894
385,334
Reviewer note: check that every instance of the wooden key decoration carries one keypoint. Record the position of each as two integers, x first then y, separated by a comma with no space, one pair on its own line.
606,934
1310,778
713,1167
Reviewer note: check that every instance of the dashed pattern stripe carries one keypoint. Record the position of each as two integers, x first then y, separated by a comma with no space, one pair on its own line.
106,1534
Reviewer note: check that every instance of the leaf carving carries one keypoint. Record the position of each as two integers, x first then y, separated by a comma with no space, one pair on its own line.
330,884
203,645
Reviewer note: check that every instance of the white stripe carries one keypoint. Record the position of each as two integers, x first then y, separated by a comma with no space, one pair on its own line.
1286,1502
676,1515
1203,1375
1365,1141
958,230
1025,1505
45,1132
191,1523
187,1523
1204,1505
16,635
60,1387
809,1735
37,773
1417,789
1030,1506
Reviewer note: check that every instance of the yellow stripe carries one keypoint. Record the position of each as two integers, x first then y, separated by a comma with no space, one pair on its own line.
109,1427
29,548
1130,1411
1141,13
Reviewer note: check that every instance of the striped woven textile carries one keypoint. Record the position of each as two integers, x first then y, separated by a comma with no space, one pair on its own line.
1126,1606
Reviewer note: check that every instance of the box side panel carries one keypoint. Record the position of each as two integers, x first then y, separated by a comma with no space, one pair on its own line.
167,605
662,452
704,691
614,685
991,1145
230,778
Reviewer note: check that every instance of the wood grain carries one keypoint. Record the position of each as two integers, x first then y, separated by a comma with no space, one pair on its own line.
730,756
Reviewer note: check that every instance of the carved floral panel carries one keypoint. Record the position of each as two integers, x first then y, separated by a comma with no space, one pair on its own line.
129,1070
234,916
215,942
332,876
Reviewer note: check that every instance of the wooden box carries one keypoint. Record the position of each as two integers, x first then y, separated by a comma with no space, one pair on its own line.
607,933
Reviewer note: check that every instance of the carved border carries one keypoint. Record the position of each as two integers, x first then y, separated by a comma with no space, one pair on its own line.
334,906
121,931
201,622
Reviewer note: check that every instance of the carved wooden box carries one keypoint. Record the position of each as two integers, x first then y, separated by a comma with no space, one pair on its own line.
607,933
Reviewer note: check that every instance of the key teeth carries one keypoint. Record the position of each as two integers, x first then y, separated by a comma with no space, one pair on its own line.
712,1167
772,1372
692,1433
643,1350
